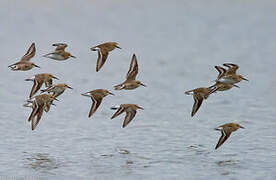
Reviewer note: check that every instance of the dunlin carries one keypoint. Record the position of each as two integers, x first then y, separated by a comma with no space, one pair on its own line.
130,110
97,97
24,64
103,50
40,103
56,89
230,75
199,95
226,131
59,54
130,82
39,79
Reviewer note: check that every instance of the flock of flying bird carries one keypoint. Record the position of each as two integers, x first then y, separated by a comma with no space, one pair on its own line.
226,79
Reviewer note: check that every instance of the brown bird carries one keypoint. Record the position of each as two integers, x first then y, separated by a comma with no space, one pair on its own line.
59,54
229,75
103,50
24,64
130,110
199,95
96,97
40,103
130,82
39,79
56,89
226,131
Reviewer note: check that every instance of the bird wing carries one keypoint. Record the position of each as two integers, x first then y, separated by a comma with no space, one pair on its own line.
102,56
36,120
34,111
232,68
129,116
37,85
118,112
224,136
133,69
60,46
197,104
30,53
221,71
95,104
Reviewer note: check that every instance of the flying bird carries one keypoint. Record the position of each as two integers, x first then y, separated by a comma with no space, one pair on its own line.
25,64
39,79
230,76
96,97
56,89
59,54
40,103
103,51
131,82
226,131
130,110
199,95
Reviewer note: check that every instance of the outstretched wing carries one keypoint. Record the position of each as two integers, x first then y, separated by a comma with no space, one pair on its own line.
232,68
102,56
221,71
133,69
96,103
37,85
197,104
30,53
118,112
36,120
34,111
224,136
129,117
60,46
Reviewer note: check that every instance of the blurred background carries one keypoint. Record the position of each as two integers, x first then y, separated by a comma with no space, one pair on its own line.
177,44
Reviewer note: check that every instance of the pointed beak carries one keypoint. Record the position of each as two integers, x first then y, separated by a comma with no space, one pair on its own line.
69,87
140,108
37,66
242,127
245,79
188,92
236,86
93,49
73,56
118,47
143,85
28,104
56,99
86,94
55,78
111,93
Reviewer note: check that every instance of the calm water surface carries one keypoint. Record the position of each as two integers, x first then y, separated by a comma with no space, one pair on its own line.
177,44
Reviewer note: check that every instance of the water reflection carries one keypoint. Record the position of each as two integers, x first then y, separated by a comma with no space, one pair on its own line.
227,167
40,161
228,163
198,149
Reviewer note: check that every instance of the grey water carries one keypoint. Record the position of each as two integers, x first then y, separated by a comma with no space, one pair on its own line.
177,44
